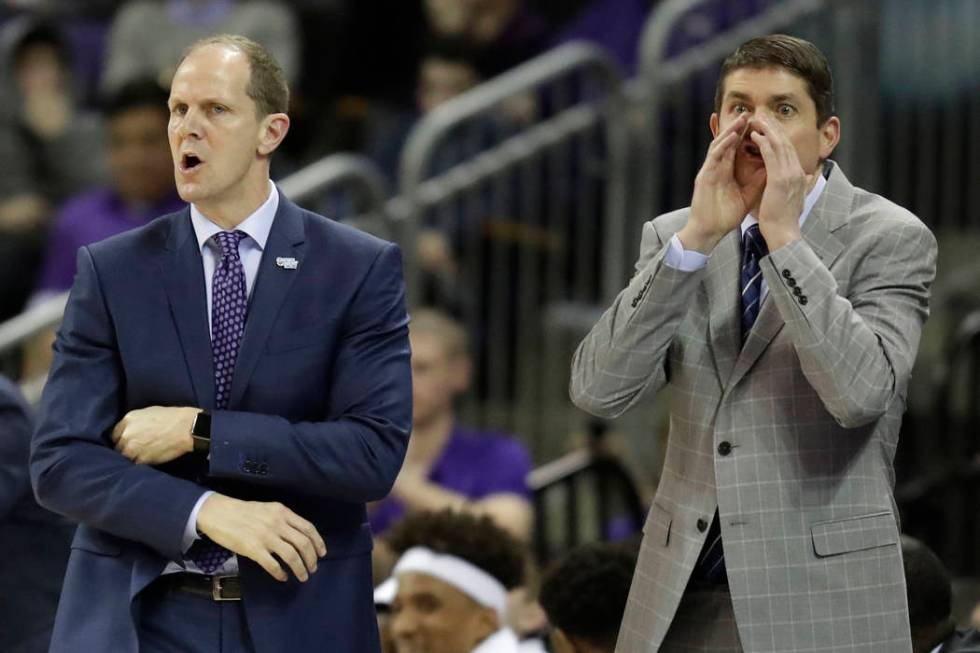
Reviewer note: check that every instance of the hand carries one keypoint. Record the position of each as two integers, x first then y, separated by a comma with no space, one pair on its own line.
719,204
155,435
260,530
786,185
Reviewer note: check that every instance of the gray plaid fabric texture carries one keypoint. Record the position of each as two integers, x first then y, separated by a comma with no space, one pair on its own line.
229,302
790,437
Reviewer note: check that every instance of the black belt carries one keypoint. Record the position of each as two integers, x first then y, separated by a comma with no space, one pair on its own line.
216,588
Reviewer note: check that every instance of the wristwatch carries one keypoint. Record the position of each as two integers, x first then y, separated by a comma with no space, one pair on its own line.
201,432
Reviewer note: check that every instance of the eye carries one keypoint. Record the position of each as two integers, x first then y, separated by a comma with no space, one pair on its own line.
217,108
739,108
786,110
179,109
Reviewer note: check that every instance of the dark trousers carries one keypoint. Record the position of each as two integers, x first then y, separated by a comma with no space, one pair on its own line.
177,622
705,621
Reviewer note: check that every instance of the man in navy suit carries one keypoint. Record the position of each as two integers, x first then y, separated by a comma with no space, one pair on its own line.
231,384
33,541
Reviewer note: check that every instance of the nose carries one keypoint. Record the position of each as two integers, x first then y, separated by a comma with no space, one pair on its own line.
190,124
403,624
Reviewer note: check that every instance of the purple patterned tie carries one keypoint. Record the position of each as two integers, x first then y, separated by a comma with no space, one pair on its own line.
228,305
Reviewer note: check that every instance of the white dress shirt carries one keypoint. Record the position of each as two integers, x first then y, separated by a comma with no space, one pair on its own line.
256,228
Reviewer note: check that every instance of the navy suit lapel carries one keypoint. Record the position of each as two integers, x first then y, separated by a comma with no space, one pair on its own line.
272,284
183,275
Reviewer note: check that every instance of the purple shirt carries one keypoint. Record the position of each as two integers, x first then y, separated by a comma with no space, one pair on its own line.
86,219
475,464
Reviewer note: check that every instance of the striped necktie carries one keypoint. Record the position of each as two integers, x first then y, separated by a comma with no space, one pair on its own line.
753,250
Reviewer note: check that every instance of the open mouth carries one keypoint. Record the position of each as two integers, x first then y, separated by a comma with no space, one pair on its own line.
751,149
190,162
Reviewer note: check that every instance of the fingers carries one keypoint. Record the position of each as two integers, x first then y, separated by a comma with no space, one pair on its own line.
309,530
726,139
303,546
290,554
269,564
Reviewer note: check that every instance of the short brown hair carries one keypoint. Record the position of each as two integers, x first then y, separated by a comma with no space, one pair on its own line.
796,55
266,83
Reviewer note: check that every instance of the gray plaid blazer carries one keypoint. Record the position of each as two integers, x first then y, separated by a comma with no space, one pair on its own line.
792,437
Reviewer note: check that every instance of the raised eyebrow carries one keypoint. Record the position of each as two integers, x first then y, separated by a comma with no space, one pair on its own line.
737,95
784,97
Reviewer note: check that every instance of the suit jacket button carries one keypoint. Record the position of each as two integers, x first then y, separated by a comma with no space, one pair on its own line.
787,274
725,448
803,300
702,525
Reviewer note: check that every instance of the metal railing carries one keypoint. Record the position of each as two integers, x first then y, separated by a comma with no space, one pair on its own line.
583,496
523,181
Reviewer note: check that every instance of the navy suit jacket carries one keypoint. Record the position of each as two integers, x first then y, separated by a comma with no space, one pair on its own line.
33,541
318,420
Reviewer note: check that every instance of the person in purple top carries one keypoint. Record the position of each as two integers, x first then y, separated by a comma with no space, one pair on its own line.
141,187
447,465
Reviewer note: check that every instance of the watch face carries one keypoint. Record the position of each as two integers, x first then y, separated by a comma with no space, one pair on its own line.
202,425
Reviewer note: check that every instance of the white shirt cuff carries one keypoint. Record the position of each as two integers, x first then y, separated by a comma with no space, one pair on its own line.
682,259
190,530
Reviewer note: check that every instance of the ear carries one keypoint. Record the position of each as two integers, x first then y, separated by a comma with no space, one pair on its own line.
713,125
273,129
829,136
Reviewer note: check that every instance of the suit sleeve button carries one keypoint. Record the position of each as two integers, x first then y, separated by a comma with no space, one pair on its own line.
803,300
791,282
787,274
797,291
702,525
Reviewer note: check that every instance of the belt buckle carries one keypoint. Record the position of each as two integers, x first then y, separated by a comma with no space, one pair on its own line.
217,588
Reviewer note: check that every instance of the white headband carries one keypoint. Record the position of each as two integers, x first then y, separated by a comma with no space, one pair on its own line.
461,574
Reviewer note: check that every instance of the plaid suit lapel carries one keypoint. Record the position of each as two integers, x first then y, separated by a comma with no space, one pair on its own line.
721,283
828,214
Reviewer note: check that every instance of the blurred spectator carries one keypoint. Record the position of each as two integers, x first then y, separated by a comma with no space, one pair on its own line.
141,183
447,465
930,599
34,543
508,29
148,37
449,67
584,595
141,188
50,150
448,591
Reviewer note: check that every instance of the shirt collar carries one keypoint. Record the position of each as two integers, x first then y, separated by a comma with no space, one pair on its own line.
256,226
811,199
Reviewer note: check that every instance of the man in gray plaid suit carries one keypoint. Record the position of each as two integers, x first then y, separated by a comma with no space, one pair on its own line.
783,308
